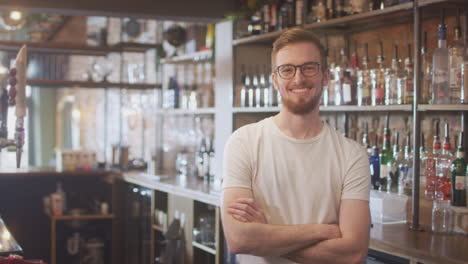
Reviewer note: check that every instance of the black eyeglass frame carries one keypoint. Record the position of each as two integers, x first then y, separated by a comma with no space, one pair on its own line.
301,66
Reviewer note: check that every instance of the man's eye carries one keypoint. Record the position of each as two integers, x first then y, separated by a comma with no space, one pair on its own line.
310,68
286,70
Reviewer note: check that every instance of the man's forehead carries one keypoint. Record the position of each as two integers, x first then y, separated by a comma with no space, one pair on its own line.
295,52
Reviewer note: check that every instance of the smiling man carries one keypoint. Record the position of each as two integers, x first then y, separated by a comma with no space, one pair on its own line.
295,190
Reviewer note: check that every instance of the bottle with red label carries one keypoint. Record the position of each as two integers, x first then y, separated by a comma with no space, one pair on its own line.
459,175
431,159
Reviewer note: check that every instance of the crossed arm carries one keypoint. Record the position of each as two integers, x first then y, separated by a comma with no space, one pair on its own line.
247,232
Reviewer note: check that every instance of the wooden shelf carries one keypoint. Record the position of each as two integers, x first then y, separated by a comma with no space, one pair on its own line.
87,84
358,22
81,217
158,228
239,110
199,111
204,248
74,49
195,57
442,108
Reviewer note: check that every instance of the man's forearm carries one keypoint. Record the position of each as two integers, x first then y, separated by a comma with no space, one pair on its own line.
276,240
333,251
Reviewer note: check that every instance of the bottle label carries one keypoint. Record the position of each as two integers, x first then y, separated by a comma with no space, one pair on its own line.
346,93
455,77
460,182
383,170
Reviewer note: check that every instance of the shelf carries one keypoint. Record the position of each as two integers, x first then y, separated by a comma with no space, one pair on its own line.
338,108
199,111
74,49
158,228
256,109
87,84
362,21
446,107
195,57
204,248
367,108
81,217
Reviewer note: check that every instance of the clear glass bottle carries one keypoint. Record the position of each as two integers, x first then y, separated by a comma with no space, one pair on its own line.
394,166
455,61
391,77
440,67
408,75
443,175
429,192
442,217
426,68
331,88
378,80
364,85
422,159
245,90
265,88
257,88
405,185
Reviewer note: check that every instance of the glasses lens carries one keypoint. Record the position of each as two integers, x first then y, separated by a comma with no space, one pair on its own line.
310,69
286,71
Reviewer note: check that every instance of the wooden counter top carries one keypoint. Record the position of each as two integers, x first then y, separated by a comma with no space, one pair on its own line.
426,247
190,187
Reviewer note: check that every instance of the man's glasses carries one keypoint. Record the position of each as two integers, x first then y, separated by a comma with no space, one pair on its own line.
288,71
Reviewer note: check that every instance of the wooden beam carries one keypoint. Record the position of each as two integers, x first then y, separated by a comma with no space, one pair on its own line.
209,11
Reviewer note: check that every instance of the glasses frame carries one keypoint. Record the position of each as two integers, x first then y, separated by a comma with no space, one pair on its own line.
301,66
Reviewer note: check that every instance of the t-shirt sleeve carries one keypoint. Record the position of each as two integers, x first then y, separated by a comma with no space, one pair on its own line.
357,178
237,169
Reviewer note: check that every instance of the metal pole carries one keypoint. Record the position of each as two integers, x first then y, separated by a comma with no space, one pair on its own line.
416,121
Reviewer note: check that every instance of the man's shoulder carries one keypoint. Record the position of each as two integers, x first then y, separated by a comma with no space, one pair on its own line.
252,130
347,145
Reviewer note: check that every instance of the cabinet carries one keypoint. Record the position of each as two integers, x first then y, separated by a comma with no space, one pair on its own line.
256,50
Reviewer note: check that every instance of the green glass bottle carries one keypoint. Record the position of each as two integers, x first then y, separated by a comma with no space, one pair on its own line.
459,175
386,156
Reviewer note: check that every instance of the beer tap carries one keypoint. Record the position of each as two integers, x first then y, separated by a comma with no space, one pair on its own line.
15,96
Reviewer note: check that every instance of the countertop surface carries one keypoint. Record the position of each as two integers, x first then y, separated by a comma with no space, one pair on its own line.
190,187
422,246
47,171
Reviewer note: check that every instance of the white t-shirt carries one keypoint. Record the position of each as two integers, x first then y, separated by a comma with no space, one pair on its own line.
295,181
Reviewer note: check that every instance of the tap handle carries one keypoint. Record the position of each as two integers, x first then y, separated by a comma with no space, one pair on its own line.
4,114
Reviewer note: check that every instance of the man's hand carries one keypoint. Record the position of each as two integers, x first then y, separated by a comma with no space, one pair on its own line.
246,210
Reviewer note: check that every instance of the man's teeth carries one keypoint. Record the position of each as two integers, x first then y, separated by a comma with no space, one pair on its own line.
299,90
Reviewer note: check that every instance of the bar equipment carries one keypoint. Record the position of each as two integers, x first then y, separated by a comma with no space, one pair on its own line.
16,95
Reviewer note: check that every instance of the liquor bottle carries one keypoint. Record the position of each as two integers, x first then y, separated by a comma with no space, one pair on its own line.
464,72
272,92
432,157
206,158
291,13
426,77
266,18
174,85
324,100
377,4
365,139
265,88
455,62
407,78
318,12
364,86
405,185
339,8
459,175
330,12
422,158
443,178
388,3
255,25
250,91
257,89
212,161
374,161
359,6
273,9
300,9
391,76
338,74
440,67
348,89
331,87
200,159
283,16
244,82
378,79
393,166
386,156
193,97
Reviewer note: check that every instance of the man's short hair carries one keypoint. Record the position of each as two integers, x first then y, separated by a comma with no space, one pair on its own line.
296,35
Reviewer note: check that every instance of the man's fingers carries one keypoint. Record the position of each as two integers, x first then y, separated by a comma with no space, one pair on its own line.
249,201
243,207
239,218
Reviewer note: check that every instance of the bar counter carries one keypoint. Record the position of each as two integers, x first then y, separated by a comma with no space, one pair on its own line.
394,239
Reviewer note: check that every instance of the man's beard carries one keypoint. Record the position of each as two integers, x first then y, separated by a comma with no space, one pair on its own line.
302,107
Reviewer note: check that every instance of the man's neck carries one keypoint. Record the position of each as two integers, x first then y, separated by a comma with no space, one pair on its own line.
299,126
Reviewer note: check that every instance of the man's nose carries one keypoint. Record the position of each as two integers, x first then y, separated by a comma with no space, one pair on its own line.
298,76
